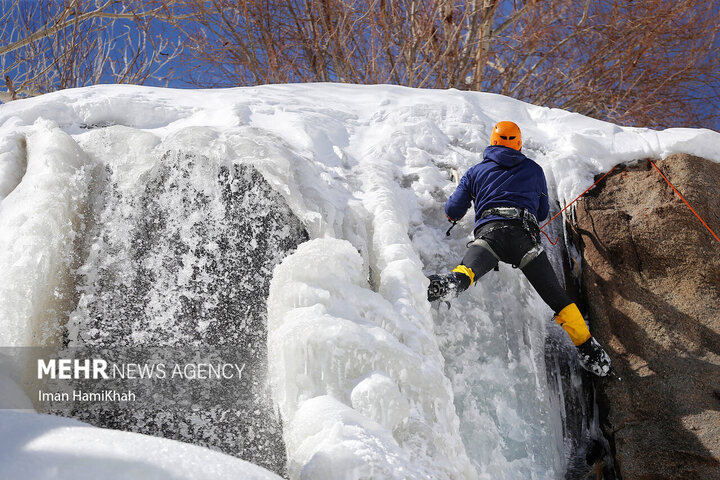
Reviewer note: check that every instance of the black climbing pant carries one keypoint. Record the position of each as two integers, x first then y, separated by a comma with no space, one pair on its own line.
510,242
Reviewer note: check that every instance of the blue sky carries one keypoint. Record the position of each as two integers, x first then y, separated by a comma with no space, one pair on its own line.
179,77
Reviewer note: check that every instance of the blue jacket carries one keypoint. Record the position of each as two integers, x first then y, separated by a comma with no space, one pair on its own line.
505,178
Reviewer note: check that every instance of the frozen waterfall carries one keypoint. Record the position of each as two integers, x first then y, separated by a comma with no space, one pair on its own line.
292,226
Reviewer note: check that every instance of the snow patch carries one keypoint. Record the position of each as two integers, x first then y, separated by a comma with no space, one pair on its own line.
41,447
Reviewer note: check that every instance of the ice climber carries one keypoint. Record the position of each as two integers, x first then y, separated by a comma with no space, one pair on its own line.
509,192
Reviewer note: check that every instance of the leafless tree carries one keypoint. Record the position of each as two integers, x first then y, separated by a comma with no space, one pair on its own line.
47,45
650,63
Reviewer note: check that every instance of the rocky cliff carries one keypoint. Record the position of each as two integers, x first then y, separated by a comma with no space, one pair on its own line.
176,271
651,279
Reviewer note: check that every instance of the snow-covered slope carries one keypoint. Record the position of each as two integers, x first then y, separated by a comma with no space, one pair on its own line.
369,380
44,447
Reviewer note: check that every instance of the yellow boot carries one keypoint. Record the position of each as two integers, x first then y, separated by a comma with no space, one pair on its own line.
572,321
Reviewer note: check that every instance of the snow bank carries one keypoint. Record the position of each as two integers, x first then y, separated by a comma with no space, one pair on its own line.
44,447
369,380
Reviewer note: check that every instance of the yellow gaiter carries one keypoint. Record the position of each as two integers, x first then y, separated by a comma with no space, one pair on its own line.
465,270
572,321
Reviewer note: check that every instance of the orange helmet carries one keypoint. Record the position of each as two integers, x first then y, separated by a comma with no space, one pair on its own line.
507,134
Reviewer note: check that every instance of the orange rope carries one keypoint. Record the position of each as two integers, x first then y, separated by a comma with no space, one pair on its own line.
569,204
686,202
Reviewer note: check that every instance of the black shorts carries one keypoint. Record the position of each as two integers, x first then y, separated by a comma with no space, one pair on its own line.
511,241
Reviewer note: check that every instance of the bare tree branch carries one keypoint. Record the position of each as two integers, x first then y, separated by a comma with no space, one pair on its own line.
53,44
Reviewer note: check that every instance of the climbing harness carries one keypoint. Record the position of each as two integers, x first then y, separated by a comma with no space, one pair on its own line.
509,212
529,224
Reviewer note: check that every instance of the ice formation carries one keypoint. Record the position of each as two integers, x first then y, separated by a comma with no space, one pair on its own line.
368,379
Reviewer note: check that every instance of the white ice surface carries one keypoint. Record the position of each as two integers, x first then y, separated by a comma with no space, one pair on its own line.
371,382
45,447
38,221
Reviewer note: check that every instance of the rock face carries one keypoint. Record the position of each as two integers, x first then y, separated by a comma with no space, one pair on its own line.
651,277
177,272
